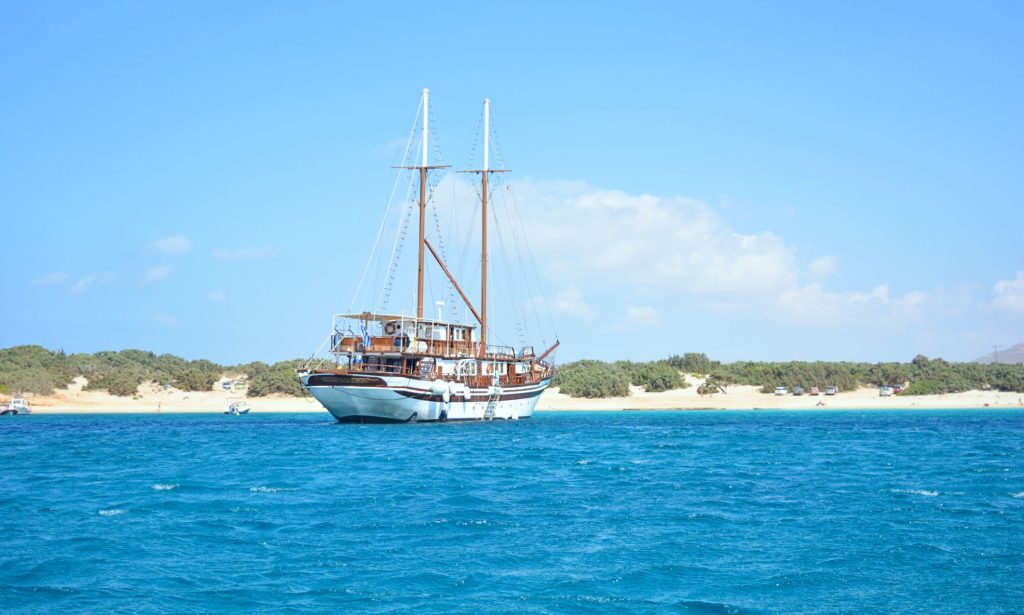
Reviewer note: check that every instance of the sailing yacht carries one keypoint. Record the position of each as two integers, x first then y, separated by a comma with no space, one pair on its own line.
388,367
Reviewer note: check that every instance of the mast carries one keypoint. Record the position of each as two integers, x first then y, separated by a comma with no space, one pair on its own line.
483,233
485,173
423,207
423,168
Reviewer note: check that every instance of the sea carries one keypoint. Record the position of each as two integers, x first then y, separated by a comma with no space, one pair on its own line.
574,512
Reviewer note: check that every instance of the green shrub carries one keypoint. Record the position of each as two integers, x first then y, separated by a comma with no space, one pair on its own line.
693,363
591,379
280,377
655,376
925,387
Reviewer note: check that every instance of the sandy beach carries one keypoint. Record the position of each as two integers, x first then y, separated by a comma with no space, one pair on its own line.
751,398
153,399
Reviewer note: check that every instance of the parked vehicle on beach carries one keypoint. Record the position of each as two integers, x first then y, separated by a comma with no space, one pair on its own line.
885,391
798,391
815,391
780,390
832,390
897,389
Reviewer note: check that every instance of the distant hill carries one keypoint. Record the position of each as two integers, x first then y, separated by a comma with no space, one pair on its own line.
1013,354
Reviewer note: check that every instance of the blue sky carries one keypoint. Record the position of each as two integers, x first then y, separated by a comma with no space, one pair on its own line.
751,180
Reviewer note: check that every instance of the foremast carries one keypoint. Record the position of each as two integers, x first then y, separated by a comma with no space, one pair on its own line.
423,168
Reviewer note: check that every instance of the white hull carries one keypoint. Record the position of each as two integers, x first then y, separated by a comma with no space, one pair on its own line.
403,399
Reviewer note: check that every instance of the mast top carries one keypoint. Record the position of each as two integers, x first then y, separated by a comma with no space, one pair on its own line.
487,143
426,136
426,102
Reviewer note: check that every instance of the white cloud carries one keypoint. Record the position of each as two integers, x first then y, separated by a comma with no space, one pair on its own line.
879,294
246,253
824,266
1009,294
570,301
810,302
82,284
216,296
642,315
165,319
176,244
155,274
653,244
813,304
54,278
912,304
391,148
674,249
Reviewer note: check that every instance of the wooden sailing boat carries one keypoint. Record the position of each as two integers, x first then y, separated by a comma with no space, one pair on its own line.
398,368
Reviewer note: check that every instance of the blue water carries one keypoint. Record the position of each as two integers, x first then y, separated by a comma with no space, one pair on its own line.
694,512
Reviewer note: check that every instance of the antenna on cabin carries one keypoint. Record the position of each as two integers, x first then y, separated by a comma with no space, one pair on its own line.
440,304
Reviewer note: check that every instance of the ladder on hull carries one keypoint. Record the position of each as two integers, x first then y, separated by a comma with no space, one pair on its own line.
493,396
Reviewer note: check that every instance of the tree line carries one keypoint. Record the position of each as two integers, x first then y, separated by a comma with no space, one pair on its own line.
921,376
34,369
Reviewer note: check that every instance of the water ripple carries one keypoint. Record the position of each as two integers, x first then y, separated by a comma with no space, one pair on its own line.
695,512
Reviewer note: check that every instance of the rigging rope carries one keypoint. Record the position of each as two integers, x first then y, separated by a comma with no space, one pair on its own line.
524,239
387,212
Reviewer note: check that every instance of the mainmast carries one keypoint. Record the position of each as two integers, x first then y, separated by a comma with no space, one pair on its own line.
484,178
483,233
423,168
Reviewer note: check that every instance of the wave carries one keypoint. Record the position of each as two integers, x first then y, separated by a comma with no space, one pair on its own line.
164,487
271,489
1019,496
703,607
112,512
925,492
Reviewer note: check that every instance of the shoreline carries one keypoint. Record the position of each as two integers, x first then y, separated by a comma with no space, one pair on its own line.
73,411
152,400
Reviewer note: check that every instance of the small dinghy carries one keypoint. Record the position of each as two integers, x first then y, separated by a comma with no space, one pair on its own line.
238,407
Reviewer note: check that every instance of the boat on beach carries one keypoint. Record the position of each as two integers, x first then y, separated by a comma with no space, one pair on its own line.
238,407
396,367
16,406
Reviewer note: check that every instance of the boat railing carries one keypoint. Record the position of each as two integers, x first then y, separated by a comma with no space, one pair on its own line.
385,344
505,352
504,379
